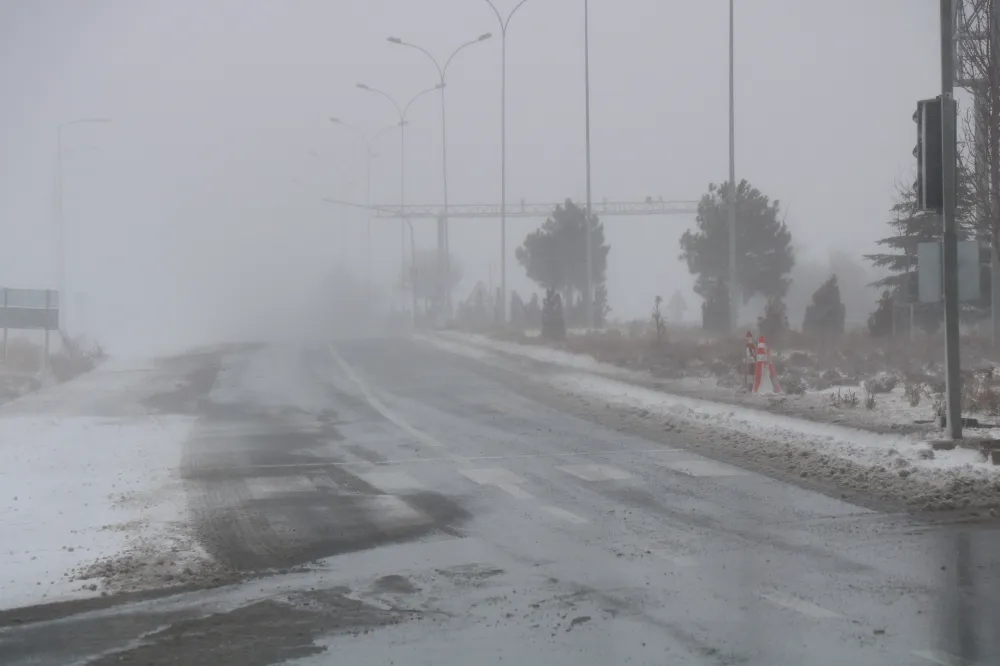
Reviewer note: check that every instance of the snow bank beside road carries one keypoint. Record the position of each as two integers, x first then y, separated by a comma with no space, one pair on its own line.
889,466
92,504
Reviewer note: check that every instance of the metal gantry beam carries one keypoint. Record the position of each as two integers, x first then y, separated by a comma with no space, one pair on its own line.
604,208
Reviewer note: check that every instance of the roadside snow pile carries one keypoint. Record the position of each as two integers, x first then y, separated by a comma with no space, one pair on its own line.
894,467
897,405
91,505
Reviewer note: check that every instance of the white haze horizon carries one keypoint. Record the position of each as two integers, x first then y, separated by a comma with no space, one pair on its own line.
195,215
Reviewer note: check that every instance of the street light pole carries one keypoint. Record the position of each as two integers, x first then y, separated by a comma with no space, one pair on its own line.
403,111
503,148
589,299
442,73
60,221
733,292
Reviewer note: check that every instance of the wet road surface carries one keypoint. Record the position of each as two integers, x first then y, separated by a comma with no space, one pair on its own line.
381,502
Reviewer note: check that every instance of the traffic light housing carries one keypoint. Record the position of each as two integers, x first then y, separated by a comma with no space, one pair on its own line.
929,185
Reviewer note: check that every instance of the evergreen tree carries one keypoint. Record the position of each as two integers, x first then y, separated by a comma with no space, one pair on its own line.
601,306
911,226
553,323
765,256
880,321
554,255
826,314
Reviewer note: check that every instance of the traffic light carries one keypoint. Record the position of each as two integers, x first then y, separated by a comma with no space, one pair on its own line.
929,185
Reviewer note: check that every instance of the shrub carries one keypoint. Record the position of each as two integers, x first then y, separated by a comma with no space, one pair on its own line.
553,323
826,314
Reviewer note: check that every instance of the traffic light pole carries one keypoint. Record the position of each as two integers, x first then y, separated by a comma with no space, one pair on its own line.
950,238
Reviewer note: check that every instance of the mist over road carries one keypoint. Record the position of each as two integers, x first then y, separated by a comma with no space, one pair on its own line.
379,500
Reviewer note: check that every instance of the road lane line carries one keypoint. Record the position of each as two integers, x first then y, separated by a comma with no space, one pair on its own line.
380,407
596,472
800,606
408,461
499,477
391,481
703,467
516,491
563,514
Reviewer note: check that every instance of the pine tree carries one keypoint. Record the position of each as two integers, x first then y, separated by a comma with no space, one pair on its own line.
911,226
601,306
765,243
880,321
826,314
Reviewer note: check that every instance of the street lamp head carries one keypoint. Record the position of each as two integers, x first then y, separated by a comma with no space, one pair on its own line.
394,40
362,86
486,35
439,86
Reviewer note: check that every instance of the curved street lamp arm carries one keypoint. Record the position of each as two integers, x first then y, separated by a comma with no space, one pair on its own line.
426,53
389,97
511,15
503,22
497,12
413,99
444,70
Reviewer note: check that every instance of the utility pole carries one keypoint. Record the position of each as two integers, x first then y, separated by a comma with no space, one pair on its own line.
733,292
589,298
950,238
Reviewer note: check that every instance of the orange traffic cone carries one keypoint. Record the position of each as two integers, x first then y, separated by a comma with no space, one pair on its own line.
765,379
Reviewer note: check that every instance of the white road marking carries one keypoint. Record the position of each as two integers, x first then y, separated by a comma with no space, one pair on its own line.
391,511
323,482
267,486
391,481
380,407
502,478
516,491
676,560
563,514
942,658
800,606
596,472
492,476
410,461
702,468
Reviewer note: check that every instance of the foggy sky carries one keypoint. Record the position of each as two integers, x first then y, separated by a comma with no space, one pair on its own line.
184,217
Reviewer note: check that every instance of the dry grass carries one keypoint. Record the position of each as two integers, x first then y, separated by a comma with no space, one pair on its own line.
804,362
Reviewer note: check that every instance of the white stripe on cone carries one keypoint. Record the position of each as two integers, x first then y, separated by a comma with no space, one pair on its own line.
765,378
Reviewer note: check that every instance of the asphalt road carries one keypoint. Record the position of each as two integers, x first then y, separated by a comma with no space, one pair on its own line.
380,502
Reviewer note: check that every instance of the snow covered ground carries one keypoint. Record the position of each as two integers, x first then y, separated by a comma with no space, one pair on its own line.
90,496
896,465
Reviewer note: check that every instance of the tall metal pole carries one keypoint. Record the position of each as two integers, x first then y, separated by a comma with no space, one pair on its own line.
503,149
444,233
503,172
589,297
733,292
61,231
950,237
368,216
